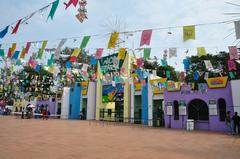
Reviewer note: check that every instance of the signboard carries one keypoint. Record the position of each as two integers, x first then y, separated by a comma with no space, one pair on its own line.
84,85
111,64
169,108
212,107
174,86
137,86
112,94
157,85
182,110
217,82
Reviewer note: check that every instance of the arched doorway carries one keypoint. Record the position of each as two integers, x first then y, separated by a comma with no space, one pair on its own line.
198,110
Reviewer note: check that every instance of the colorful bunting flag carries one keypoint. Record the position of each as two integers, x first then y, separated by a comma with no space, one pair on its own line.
15,55
93,60
231,65
15,29
68,64
23,53
113,39
74,55
208,64
53,9
38,68
146,37
99,53
71,2
186,64
85,42
1,52
85,67
58,50
11,50
41,50
121,53
231,74
189,32
28,47
233,53
168,74
237,29
201,51
182,76
4,32
164,62
32,62
140,62
172,52
195,75
146,53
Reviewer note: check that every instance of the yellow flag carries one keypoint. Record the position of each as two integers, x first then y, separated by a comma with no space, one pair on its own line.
23,53
14,45
188,32
201,51
121,53
113,40
51,69
76,52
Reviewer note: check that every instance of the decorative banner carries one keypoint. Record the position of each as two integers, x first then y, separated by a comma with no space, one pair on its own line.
53,9
28,47
4,32
41,50
68,64
38,68
15,55
112,94
201,51
15,29
140,62
146,53
99,53
11,50
146,37
85,67
173,86
208,64
32,62
168,74
74,55
121,53
217,82
1,52
195,75
85,42
58,50
164,62
93,60
158,85
237,29
137,86
172,52
182,76
84,86
82,11
111,63
186,64
71,2
113,40
23,53
233,53
231,66
188,32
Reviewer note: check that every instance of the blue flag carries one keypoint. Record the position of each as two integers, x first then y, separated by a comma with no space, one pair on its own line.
4,32
15,55
93,60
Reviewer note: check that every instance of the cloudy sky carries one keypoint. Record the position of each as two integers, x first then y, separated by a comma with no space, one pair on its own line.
131,15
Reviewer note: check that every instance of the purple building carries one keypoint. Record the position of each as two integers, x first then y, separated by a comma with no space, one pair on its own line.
206,106
51,104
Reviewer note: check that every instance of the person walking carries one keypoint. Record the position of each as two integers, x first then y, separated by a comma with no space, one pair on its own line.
236,122
22,114
228,122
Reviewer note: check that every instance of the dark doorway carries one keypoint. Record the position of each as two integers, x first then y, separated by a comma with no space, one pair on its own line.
158,113
138,109
222,109
119,111
198,110
176,110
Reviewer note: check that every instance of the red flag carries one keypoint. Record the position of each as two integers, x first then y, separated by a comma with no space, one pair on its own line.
9,55
70,2
15,29
73,59
27,47
146,37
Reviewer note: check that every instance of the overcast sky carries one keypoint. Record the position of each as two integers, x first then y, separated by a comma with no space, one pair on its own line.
133,15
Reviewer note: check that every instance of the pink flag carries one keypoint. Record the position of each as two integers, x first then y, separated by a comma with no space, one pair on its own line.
27,47
32,62
15,29
140,62
233,53
70,2
146,37
9,55
122,70
231,65
182,76
99,53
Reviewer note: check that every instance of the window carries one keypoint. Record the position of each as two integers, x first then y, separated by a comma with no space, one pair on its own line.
222,109
198,110
176,110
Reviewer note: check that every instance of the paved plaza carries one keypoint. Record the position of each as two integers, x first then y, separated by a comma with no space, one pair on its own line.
74,139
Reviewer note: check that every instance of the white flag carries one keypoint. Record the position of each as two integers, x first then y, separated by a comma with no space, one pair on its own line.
58,50
237,29
172,52
208,64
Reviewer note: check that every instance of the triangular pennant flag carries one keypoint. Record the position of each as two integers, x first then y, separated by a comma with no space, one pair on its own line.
237,29
201,51
146,37
70,2
121,53
233,53
172,52
113,40
99,53
189,32
85,42
231,65
41,50
4,32
73,59
1,52
146,53
58,50
15,29
53,9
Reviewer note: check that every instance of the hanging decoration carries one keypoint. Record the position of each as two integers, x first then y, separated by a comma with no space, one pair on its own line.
74,55
41,50
58,50
71,2
201,51
189,32
146,37
15,29
172,52
208,64
99,53
53,9
84,42
82,11
146,53
233,53
121,53
1,53
237,29
113,40
4,32
231,65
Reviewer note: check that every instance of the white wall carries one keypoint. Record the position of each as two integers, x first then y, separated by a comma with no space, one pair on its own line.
132,103
235,84
91,102
150,104
65,103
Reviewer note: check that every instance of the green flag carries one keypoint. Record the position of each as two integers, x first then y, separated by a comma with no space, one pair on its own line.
40,51
84,42
18,63
53,9
146,53
51,60
2,52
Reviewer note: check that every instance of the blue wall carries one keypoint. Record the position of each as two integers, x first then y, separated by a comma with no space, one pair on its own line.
145,104
74,104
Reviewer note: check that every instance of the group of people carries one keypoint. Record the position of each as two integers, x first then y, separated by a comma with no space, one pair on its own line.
233,123
40,112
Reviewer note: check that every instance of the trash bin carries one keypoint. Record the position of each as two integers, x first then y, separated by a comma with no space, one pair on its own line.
190,124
